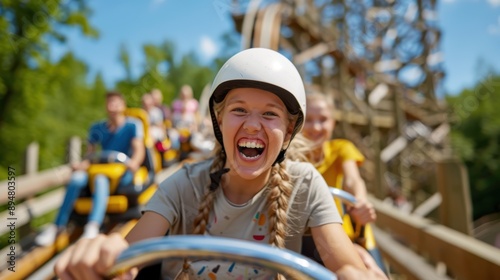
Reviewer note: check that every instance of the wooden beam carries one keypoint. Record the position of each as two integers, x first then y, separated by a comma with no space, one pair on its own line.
453,184
247,29
34,207
271,24
403,259
354,118
28,185
393,149
31,163
428,205
464,256
312,53
377,94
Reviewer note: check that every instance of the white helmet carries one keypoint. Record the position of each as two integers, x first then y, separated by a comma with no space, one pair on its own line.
263,69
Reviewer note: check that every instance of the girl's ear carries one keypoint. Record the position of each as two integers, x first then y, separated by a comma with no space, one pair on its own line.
288,135
219,118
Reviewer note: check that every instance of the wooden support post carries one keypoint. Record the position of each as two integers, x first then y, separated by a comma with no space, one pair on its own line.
31,160
453,184
31,168
379,189
404,164
75,150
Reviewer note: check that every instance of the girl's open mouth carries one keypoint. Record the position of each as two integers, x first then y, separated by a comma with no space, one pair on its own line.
250,149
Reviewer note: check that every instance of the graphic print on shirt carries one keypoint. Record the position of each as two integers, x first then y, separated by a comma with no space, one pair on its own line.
209,225
214,270
261,226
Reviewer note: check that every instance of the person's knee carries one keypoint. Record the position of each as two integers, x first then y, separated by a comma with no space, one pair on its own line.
99,178
127,178
78,179
101,182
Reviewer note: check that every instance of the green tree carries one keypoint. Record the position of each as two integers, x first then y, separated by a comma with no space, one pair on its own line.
26,27
476,139
163,71
32,88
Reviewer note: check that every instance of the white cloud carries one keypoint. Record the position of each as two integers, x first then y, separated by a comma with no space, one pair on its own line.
494,3
494,29
208,47
451,1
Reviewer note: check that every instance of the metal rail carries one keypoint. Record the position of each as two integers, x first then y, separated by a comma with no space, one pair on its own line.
283,261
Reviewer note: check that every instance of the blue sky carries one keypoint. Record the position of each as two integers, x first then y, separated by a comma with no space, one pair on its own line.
471,34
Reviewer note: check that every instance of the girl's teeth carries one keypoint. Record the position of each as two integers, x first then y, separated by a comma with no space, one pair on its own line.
249,157
251,145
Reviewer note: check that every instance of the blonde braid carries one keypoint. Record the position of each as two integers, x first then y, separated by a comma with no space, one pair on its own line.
277,201
201,220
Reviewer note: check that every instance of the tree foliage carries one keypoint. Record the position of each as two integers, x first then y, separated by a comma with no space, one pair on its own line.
476,139
34,91
163,71
48,101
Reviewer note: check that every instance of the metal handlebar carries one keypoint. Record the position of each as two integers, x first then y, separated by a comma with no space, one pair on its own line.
108,156
283,261
345,196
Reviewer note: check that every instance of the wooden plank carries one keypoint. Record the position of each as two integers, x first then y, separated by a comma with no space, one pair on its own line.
248,24
453,184
394,148
270,26
464,256
32,152
406,261
75,150
35,259
29,185
46,272
312,53
439,134
38,206
355,118
377,94
428,205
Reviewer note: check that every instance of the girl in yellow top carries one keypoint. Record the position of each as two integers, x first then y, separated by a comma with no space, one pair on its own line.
338,159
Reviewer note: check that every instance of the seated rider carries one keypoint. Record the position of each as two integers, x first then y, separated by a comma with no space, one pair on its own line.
157,128
185,110
337,160
117,133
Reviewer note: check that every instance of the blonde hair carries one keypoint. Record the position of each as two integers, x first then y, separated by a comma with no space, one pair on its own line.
278,193
300,149
317,96
188,90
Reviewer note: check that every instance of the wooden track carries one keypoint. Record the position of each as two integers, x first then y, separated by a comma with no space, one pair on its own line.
38,259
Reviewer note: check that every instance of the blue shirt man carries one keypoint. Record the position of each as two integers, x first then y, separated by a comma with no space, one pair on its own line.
117,133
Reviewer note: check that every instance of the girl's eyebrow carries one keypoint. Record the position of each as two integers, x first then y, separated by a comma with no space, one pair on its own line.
270,104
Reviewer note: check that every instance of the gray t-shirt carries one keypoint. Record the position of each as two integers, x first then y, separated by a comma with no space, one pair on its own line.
178,197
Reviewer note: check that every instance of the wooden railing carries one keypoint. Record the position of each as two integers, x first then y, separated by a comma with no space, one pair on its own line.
423,249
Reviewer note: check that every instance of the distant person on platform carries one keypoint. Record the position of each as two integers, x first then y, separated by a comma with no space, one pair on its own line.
158,102
185,110
157,128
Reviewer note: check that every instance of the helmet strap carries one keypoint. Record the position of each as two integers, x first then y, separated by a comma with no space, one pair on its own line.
281,157
216,177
